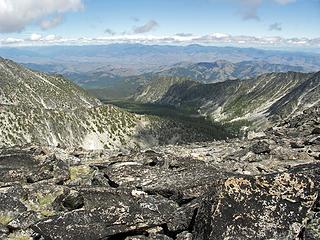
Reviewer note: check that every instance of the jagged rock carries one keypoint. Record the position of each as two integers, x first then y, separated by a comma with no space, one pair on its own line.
16,166
266,207
260,147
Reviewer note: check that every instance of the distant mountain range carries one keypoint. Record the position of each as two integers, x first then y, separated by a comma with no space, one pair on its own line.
138,56
266,97
222,70
112,82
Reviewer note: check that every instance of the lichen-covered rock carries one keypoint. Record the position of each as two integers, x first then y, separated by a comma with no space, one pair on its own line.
264,207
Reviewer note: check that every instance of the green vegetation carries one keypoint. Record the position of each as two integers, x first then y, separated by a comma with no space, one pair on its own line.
200,124
78,171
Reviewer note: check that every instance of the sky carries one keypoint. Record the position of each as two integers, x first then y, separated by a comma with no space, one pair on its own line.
270,23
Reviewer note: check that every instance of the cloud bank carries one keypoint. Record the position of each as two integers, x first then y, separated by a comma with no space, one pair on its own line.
15,15
178,39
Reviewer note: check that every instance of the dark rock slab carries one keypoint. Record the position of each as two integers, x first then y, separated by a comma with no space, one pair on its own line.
118,212
264,207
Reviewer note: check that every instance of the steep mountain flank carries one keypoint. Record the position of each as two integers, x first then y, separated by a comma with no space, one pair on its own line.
306,94
155,90
20,86
257,99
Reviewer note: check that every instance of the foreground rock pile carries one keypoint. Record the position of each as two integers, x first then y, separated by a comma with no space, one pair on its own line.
263,187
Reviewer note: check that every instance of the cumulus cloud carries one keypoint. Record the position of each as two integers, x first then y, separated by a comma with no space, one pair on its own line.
275,27
51,23
147,27
15,15
209,39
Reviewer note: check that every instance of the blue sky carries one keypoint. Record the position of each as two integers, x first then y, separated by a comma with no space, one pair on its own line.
118,20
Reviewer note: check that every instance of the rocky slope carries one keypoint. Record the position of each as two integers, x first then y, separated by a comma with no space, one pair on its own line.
263,187
37,108
269,96
23,87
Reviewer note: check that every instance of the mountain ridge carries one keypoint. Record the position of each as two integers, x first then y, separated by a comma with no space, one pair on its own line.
257,99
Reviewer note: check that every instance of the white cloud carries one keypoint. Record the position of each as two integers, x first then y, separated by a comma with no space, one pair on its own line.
209,39
35,37
15,15
9,41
